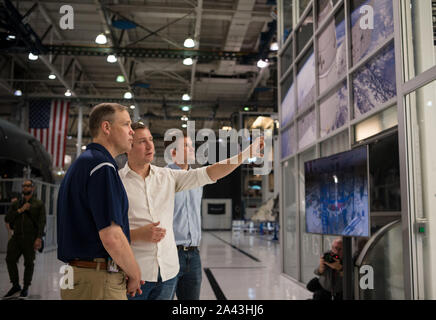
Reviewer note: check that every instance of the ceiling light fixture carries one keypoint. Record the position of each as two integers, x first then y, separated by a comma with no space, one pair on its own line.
274,46
186,97
68,93
120,78
128,95
188,62
186,108
184,118
262,63
189,43
18,93
101,39
184,125
132,107
52,76
33,57
111,58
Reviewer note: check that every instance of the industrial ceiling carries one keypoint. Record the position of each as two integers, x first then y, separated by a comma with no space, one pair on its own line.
147,39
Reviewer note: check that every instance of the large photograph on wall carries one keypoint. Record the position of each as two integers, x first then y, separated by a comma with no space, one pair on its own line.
307,129
334,111
306,81
375,84
332,58
288,142
336,194
365,38
288,107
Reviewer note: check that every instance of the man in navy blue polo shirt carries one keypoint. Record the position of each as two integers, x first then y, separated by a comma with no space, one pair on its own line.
92,220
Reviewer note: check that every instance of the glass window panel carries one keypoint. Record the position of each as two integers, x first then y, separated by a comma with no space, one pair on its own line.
288,141
419,27
305,32
376,124
421,106
310,243
364,39
307,129
290,219
288,107
303,5
375,83
384,169
332,60
286,59
286,84
325,7
336,144
386,258
306,80
334,110
287,18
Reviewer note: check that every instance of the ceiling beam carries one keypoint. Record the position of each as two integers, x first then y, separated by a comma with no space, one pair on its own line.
114,43
59,35
169,102
175,12
204,55
198,17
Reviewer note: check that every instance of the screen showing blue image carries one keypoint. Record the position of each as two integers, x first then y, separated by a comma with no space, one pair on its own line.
336,194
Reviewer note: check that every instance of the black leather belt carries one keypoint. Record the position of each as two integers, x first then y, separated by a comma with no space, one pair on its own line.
186,248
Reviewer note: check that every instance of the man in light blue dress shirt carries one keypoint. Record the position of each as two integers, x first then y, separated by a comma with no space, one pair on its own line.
187,227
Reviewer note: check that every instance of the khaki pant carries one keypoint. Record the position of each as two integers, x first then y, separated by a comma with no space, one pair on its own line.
92,284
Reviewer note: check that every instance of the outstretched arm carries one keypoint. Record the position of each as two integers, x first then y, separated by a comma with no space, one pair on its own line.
223,168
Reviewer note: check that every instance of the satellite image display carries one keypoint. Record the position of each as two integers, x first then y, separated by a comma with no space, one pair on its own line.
288,107
336,194
306,129
374,83
288,142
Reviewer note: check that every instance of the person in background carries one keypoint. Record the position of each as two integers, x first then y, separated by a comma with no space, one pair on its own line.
26,218
329,284
187,224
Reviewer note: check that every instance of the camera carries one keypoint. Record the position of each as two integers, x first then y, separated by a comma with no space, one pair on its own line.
330,257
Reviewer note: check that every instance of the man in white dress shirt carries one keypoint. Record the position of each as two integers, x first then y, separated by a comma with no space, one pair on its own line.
151,192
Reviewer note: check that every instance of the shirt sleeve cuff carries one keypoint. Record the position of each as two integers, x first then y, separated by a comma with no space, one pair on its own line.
204,177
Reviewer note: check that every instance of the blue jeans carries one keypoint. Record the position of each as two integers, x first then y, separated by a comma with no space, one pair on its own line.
188,282
160,290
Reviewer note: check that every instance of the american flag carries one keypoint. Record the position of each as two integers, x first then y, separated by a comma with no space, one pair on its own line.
48,122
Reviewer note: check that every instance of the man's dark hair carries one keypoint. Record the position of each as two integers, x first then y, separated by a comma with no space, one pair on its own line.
29,180
103,112
139,125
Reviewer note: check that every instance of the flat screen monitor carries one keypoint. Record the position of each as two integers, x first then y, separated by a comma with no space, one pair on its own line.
336,194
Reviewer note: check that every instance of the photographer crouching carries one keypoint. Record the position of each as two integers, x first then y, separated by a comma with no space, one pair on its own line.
329,284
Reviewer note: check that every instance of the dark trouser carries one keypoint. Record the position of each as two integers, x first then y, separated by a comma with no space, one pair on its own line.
189,278
18,246
319,293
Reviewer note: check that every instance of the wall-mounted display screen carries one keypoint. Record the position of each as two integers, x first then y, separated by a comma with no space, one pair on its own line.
336,194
